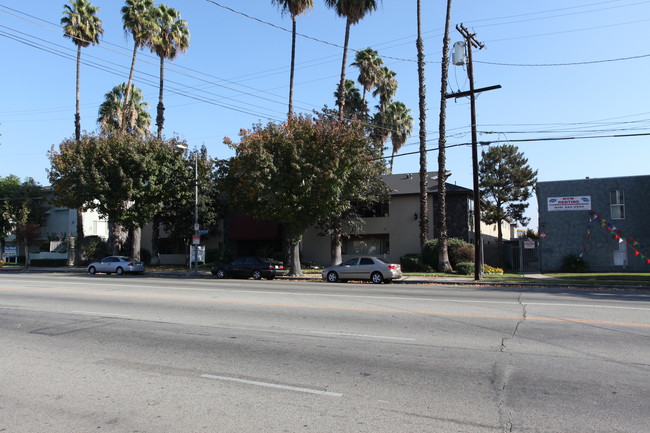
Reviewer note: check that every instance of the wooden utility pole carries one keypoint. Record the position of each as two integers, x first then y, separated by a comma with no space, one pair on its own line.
472,42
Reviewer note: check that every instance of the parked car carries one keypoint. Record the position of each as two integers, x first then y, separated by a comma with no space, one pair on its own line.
363,268
116,265
246,267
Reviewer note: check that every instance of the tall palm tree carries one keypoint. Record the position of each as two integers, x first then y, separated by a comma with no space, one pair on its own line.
369,65
116,114
353,11
444,265
137,18
295,8
81,24
394,121
355,106
386,87
422,105
169,38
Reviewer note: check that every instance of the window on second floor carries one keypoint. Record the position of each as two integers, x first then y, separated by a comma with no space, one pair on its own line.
617,204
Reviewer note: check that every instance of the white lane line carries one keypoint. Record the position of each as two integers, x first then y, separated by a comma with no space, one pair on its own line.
382,337
273,385
95,313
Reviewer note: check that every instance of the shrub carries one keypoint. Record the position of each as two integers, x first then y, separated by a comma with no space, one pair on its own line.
574,263
412,263
95,247
459,251
430,254
145,255
49,262
465,268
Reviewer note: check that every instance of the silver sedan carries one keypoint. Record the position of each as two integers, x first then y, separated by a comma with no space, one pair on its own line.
116,265
363,268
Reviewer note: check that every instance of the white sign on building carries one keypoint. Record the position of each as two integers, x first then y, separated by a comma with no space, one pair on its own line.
582,202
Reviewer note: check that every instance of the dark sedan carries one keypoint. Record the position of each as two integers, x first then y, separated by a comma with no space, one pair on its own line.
246,267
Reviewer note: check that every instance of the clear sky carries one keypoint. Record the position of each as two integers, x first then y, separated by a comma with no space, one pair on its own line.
568,69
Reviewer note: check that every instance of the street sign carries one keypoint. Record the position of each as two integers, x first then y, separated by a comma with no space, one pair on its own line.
196,240
201,232
11,251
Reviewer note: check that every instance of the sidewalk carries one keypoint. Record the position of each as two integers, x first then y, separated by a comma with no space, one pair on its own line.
533,279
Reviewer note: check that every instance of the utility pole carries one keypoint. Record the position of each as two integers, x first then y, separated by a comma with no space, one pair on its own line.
472,42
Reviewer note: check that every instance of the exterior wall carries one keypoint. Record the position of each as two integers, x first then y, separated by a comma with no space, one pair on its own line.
577,232
63,221
401,227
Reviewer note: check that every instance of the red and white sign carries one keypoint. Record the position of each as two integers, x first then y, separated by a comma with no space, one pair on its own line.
582,202
196,240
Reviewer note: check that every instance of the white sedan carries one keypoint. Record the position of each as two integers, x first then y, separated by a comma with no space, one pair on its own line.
116,265
363,268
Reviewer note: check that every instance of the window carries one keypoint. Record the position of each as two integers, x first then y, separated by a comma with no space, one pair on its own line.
371,245
617,204
371,210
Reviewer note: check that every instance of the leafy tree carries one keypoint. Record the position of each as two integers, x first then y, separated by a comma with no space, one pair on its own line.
298,173
443,264
178,211
28,234
118,115
170,37
82,25
127,179
353,11
20,203
137,18
369,65
295,8
506,183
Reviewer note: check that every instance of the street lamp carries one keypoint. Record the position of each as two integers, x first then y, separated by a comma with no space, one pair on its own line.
196,238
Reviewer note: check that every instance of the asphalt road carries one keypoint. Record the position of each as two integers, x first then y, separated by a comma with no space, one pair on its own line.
85,353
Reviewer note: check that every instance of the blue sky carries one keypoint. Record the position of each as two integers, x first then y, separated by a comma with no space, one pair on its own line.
573,69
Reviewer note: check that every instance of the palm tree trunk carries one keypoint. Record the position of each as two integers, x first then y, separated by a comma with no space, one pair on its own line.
424,205
343,65
293,62
77,115
443,254
160,118
77,136
128,84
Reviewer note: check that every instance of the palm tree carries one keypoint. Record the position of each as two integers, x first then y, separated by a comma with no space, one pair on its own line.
353,11
81,24
116,114
295,8
422,105
395,121
386,87
369,65
354,105
443,255
84,28
137,16
169,38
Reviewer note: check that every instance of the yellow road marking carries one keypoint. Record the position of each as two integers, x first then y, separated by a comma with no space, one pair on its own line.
324,307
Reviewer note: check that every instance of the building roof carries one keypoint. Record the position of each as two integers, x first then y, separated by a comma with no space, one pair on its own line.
409,184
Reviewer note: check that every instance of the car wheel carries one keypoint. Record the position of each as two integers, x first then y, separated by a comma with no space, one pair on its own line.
257,275
332,277
220,273
377,278
92,270
119,271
